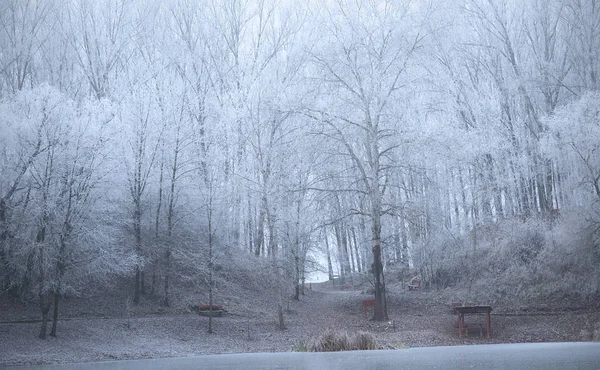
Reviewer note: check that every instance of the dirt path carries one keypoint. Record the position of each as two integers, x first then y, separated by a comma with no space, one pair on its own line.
331,308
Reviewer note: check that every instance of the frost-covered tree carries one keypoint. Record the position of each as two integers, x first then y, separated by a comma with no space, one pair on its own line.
24,28
572,142
63,237
364,63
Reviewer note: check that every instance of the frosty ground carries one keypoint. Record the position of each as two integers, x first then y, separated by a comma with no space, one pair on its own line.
416,319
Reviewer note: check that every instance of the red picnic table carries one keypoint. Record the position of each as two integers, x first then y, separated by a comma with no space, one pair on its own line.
478,309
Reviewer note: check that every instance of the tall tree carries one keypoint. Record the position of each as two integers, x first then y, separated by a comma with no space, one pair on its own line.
140,151
366,63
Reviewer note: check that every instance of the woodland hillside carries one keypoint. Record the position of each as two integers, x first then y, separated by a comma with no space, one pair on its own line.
104,328
169,153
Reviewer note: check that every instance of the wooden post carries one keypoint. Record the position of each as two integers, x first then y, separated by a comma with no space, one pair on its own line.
488,323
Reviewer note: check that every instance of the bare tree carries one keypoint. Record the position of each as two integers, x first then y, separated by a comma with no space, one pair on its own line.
102,35
23,30
62,183
367,63
141,147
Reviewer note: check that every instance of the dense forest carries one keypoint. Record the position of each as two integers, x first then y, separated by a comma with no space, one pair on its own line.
165,141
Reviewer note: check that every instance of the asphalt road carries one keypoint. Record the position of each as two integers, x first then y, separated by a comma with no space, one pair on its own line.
543,356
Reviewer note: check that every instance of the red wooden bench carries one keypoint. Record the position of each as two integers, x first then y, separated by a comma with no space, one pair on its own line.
414,284
366,303
207,307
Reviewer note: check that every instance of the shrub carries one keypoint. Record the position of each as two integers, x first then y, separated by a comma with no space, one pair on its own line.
300,346
332,341
364,341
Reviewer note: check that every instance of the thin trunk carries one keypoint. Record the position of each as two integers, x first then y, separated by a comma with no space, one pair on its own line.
210,302
273,247
549,185
297,278
404,237
560,186
236,225
356,250
260,231
137,229
338,238
556,191
170,220
518,206
136,289
495,197
55,314
349,244
544,205
44,299
280,315
303,278
366,255
397,240
156,224
279,295
4,258
166,302
140,286
210,266
45,302
347,266
250,233
297,259
60,269
153,287
457,220
524,192
465,206
329,265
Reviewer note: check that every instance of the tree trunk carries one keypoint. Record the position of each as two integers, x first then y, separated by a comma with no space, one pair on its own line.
136,289
250,232
348,247
166,301
297,288
329,265
156,225
260,231
137,229
55,314
356,250
210,259
4,264
273,246
210,295
341,257
280,314
303,278
153,282
380,311
45,301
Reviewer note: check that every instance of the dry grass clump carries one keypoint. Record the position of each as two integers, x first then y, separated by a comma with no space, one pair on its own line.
331,341
364,341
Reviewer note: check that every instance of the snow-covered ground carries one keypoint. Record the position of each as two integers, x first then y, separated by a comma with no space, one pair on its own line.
417,319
